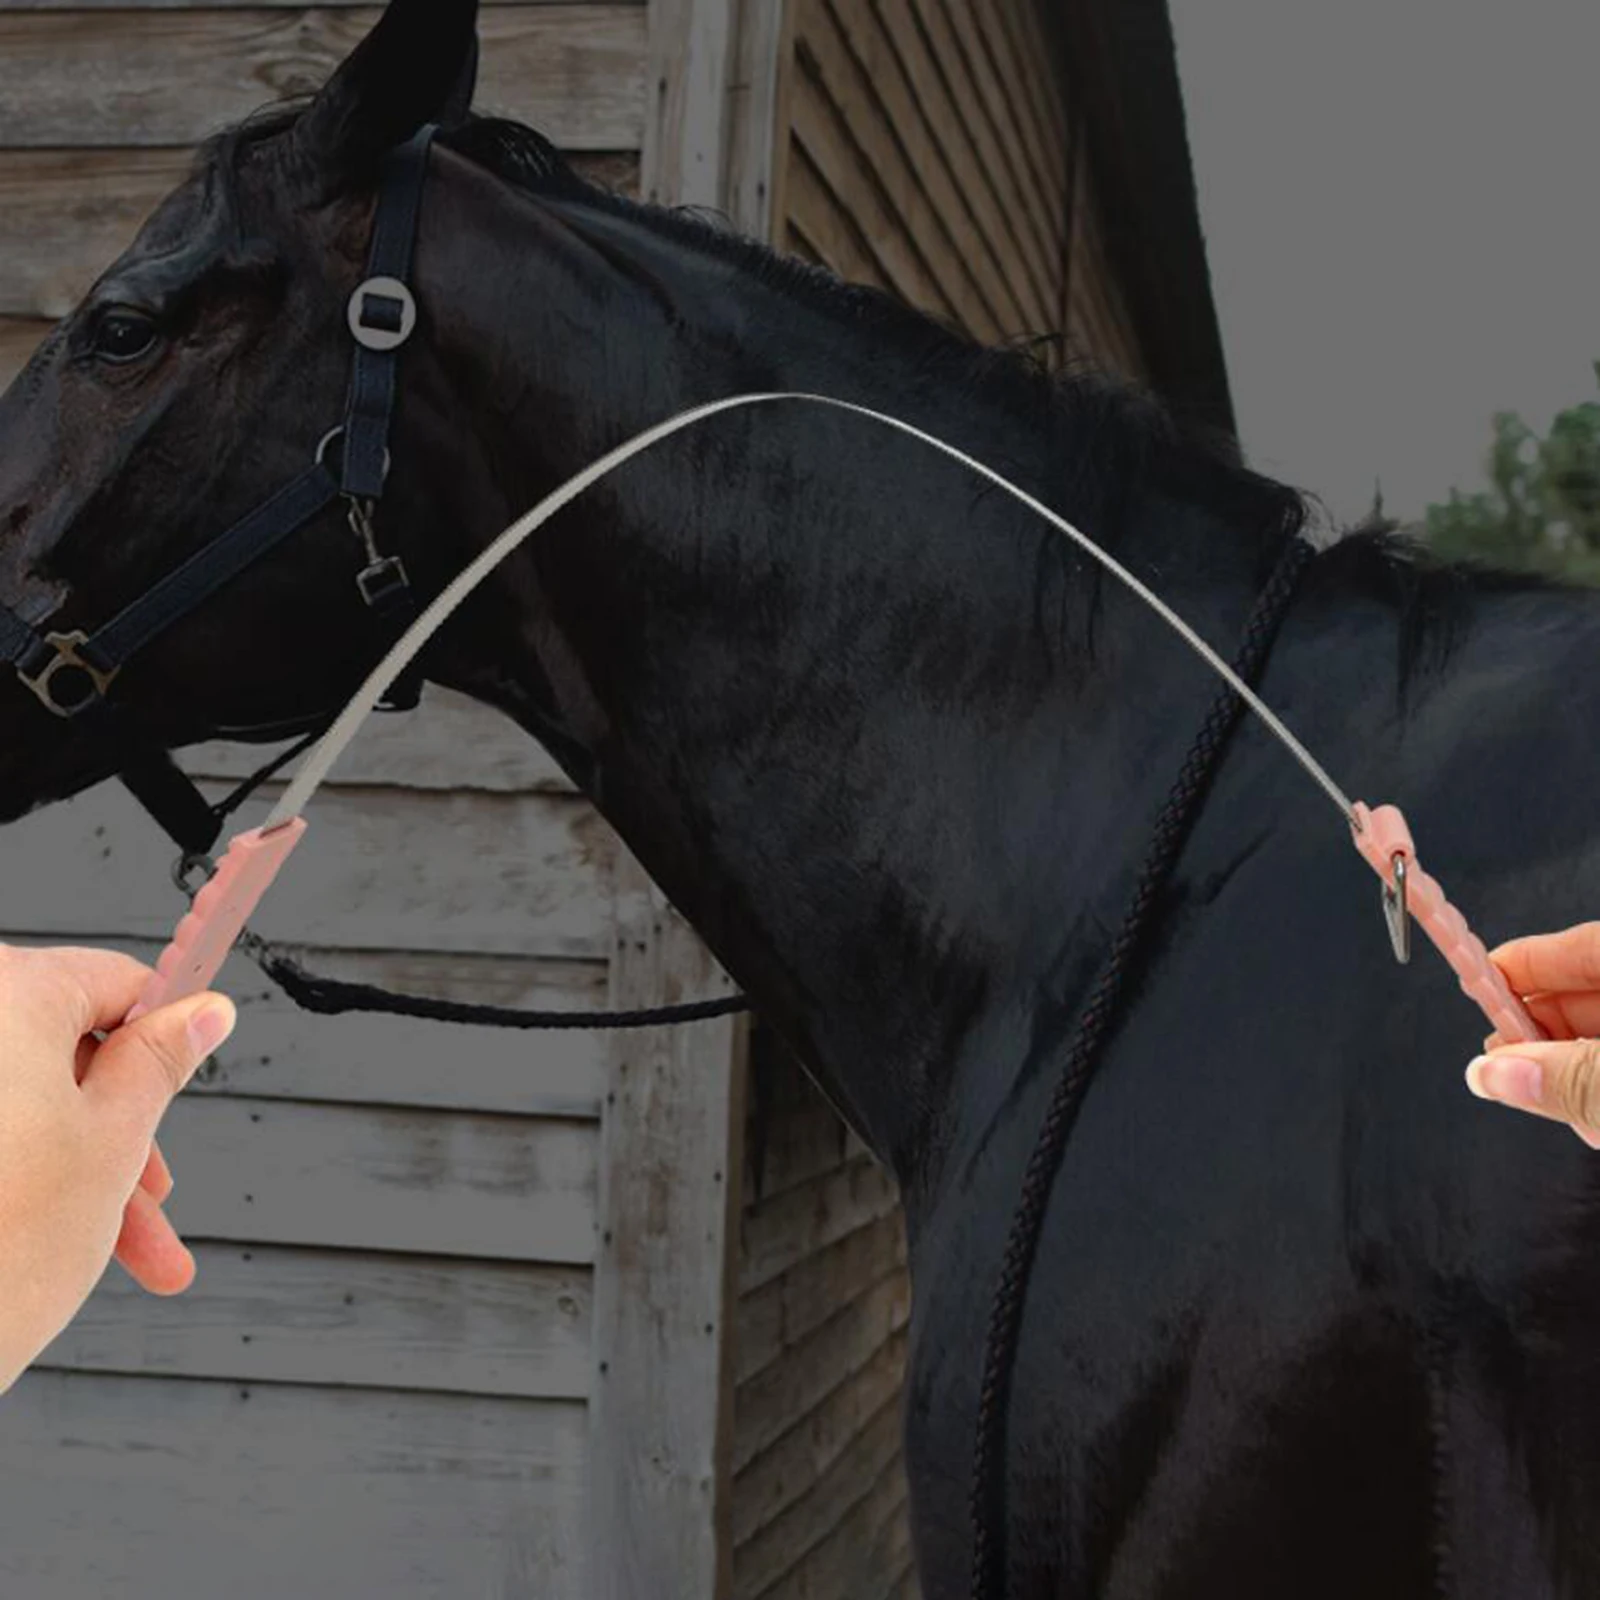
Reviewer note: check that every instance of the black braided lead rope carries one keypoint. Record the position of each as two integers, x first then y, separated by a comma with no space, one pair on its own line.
332,997
988,1495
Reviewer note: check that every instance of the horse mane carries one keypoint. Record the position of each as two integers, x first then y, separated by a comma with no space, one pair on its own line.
1134,439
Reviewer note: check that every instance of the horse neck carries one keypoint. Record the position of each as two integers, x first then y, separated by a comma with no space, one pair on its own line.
880,736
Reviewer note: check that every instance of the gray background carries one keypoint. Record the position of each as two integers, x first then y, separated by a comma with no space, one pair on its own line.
1401,203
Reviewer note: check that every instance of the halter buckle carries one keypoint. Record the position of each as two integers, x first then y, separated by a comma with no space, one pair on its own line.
55,693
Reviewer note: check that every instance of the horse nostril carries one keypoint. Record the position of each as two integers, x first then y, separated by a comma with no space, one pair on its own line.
16,517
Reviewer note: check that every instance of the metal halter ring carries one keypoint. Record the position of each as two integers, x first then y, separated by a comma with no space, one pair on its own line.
382,314
185,867
48,683
338,433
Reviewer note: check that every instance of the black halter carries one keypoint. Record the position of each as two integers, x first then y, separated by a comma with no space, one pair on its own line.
71,673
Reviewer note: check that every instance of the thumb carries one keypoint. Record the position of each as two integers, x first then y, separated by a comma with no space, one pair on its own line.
1559,1080
141,1066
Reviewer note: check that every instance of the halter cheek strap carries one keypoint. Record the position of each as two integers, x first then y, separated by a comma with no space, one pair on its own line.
71,672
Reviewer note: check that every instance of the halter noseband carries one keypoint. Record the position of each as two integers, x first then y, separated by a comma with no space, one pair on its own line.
71,672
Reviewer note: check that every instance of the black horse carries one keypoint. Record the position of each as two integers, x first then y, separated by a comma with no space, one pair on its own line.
1306,1319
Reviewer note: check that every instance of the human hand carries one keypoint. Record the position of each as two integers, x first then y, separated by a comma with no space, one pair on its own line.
1558,977
80,1176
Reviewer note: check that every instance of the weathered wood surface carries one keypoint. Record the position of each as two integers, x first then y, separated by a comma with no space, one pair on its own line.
930,156
868,1456
265,1313
145,1489
364,1178
685,147
856,64
1033,209
661,1395
171,77
861,1556
852,176
781,1395
808,1142
66,215
781,1474
823,229
778,1316
380,869
758,114
781,1233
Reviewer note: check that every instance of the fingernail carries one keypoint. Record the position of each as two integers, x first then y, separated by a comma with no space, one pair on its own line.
209,1026
1512,1080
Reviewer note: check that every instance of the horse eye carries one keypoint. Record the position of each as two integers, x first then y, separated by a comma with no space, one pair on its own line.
124,335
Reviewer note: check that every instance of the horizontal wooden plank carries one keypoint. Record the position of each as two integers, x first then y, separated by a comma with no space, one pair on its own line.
147,1488
779,1315
171,77
778,1233
338,1318
781,1475
66,215
869,1452
359,1178
380,869
279,1052
782,1395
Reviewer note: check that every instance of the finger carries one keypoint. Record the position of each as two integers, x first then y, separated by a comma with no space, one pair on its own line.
1552,962
156,1179
1566,1016
94,989
140,1067
149,1249
1558,1080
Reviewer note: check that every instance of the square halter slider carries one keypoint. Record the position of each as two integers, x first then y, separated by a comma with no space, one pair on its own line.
382,314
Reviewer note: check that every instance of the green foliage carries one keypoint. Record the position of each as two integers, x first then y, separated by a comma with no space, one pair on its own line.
1541,511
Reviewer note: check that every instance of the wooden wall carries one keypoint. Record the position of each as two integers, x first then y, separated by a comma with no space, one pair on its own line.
377,1384
932,156
933,152
381,1382
819,1492
101,102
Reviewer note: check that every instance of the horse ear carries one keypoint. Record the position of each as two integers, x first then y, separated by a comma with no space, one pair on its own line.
418,65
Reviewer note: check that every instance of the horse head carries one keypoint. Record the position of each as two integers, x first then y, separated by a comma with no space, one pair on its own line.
193,382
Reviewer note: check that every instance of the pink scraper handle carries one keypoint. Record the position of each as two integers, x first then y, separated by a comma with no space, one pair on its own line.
217,918
1381,835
